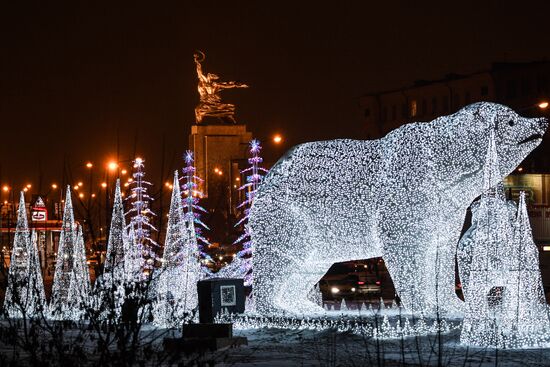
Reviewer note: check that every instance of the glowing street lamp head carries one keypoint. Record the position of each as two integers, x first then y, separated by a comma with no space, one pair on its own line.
104,184
277,139
123,172
112,165
54,186
5,188
29,186
80,183
543,105
89,165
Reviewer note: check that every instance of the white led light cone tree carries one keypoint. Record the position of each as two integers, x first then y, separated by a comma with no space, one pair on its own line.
36,296
114,274
59,302
16,293
527,319
79,286
179,272
133,260
501,276
485,285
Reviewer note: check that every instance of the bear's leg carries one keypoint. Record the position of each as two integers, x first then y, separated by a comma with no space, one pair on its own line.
407,268
448,301
280,246
298,281
424,280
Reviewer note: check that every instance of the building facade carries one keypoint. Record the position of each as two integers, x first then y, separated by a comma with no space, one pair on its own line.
518,85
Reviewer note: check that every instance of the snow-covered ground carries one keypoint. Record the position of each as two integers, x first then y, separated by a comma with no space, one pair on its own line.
277,347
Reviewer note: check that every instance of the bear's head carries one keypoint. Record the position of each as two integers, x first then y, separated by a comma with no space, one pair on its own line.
515,136
465,137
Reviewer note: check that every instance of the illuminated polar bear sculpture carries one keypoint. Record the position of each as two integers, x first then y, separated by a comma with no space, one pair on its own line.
402,197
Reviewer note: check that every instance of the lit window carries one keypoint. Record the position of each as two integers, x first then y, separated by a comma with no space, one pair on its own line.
412,110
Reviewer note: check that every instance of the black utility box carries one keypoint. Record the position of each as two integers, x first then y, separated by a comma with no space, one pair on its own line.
217,294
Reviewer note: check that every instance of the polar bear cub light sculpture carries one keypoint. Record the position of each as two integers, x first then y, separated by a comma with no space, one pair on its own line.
402,197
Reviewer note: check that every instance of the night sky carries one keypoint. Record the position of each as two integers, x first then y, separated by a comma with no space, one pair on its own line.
72,75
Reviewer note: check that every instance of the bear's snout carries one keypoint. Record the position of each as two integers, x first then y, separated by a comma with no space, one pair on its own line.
543,123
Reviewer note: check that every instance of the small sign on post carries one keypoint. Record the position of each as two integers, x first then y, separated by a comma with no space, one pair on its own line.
218,294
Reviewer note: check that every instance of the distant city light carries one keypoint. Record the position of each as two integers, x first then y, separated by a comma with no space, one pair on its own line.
520,169
76,187
104,184
25,189
29,186
89,165
93,195
277,139
81,195
123,172
546,248
80,183
5,188
54,186
543,105
334,290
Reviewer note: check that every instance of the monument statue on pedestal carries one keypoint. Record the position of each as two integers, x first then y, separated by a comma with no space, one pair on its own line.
209,90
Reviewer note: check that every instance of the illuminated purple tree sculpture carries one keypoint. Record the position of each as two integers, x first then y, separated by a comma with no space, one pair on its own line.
192,209
255,175
140,220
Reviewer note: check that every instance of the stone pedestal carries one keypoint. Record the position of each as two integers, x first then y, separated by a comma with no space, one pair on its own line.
220,151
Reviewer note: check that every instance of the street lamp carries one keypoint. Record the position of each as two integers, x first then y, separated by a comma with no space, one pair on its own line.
277,139
112,166
543,105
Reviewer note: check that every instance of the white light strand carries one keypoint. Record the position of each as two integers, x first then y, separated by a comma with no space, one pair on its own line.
375,326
